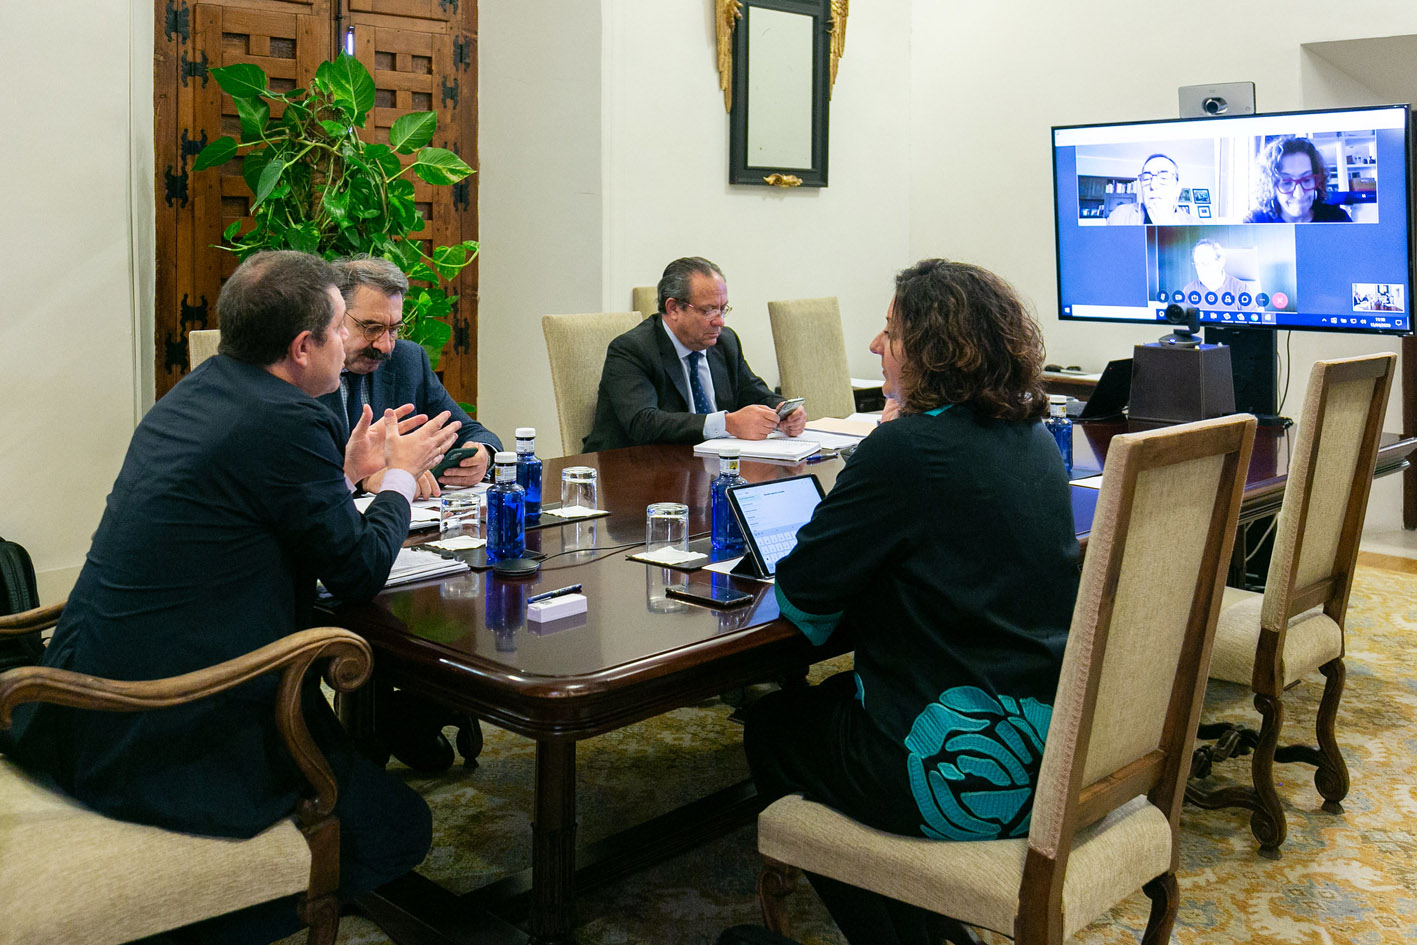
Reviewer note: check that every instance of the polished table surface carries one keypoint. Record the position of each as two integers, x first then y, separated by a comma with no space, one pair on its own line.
465,642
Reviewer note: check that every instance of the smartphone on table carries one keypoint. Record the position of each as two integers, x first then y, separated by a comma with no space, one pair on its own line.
710,595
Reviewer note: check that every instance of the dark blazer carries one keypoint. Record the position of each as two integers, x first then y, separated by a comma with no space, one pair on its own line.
644,396
230,503
408,378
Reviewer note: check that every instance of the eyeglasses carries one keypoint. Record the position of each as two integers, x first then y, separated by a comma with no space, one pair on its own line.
373,331
1285,185
707,312
1160,177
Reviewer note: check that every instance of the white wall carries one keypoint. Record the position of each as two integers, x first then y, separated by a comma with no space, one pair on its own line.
68,346
998,78
639,150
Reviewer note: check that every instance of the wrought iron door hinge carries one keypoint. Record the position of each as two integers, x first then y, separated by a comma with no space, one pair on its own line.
462,333
193,69
462,51
193,317
461,195
174,348
191,148
450,92
445,4
175,185
178,20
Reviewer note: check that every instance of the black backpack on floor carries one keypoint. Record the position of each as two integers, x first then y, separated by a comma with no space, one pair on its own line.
17,593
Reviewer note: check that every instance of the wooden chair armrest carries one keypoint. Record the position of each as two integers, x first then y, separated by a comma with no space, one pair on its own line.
350,663
28,621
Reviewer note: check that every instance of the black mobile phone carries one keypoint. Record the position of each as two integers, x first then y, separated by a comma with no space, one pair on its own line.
453,457
710,596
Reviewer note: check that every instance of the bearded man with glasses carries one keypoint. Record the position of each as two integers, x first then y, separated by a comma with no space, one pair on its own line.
680,376
1292,185
384,371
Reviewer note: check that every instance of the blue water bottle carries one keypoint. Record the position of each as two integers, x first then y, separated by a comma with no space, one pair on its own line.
1061,427
529,471
506,511
727,536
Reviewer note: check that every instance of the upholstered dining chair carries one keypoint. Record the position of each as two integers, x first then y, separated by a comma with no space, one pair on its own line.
575,347
1271,641
68,874
811,355
645,300
1108,800
201,344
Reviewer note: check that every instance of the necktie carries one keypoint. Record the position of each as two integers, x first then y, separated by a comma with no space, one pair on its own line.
353,402
701,401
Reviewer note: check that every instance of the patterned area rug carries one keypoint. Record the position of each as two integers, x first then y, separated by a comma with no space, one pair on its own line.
1349,878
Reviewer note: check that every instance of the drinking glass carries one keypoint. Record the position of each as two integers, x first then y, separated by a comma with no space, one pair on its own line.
578,488
459,513
666,526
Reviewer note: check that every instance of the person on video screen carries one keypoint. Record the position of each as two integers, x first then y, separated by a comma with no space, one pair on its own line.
1158,196
1292,185
1208,256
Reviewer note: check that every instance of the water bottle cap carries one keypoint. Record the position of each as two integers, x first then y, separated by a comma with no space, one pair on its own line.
525,433
730,452
505,457
1057,398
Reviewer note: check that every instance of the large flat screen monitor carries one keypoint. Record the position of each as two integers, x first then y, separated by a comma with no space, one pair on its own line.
1282,221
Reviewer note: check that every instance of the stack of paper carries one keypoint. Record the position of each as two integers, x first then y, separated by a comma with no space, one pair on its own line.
857,425
424,513
413,564
775,446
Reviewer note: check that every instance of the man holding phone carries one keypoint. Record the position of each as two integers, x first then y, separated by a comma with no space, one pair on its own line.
385,371
680,376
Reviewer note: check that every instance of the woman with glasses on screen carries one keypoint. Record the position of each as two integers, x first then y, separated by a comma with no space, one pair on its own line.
946,550
1292,185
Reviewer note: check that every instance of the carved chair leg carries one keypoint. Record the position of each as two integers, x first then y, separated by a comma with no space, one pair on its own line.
1332,776
322,915
774,883
1165,899
1267,820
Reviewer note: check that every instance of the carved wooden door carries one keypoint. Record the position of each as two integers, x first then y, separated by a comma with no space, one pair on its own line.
422,54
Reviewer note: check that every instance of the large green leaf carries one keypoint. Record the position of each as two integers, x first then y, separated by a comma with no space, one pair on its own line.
400,188
440,166
217,153
350,83
242,80
405,214
304,237
336,205
413,131
386,159
450,260
254,113
270,177
253,164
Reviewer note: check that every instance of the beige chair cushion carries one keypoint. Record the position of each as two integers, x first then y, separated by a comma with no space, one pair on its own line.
575,348
70,875
645,300
811,355
973,881
1312,640
201,344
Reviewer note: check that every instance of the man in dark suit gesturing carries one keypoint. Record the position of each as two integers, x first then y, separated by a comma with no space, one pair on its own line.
384,371
234,497
680,377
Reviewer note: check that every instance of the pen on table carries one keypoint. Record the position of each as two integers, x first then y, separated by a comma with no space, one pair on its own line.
547,595
822,456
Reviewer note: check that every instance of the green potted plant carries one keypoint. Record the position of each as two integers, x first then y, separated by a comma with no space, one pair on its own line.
321,189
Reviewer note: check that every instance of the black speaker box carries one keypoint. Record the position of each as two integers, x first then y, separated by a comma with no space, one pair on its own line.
1174,384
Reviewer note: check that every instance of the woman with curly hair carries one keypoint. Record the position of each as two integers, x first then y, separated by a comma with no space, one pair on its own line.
1292,185
946,549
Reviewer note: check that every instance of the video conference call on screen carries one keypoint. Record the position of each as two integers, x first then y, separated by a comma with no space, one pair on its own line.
1267,221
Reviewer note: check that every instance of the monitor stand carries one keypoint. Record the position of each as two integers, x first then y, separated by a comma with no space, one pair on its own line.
1254,357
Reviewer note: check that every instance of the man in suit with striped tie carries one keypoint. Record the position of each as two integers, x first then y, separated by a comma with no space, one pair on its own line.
680,376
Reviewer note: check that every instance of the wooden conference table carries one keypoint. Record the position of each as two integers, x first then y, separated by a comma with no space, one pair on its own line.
465,643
